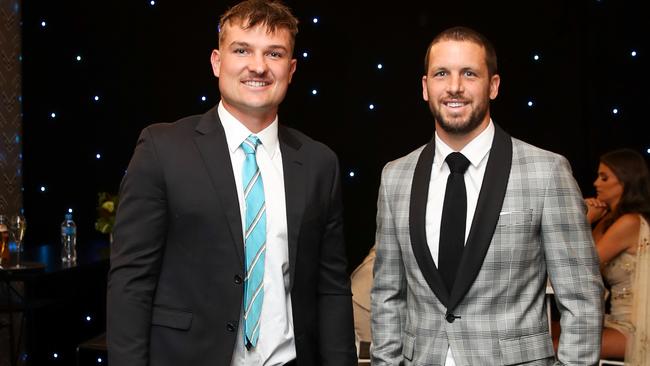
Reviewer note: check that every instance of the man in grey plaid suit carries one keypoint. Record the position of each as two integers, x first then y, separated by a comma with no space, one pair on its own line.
525,218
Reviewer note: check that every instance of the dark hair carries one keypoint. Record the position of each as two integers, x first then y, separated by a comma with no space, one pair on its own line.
271,13
466,34
631,170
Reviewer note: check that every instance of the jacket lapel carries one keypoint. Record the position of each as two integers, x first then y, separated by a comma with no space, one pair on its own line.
417,226
488,207
212,145
294,188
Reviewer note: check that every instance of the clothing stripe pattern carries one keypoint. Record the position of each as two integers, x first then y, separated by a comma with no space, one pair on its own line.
254,242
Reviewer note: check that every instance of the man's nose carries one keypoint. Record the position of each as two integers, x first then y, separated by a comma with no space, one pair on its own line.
258,64
455,84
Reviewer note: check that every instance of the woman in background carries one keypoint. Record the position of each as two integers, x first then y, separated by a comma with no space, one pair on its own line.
620,212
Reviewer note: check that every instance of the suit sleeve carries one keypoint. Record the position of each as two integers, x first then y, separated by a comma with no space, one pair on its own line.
388,295
572,265
136,255
336,325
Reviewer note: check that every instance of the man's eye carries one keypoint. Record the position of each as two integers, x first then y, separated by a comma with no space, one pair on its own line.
240,51
469,73
440,73
275,54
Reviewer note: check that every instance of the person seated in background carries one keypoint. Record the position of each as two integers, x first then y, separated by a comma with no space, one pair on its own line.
619,215
361,284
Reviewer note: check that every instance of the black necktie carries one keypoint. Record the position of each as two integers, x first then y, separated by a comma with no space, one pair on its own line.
454,216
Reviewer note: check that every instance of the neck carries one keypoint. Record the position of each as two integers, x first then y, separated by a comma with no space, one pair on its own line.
254,121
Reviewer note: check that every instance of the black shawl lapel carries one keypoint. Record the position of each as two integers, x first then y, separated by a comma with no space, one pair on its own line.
294,188
417,219
212,145
488,207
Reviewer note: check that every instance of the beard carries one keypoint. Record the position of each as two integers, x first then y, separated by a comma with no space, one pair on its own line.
461,127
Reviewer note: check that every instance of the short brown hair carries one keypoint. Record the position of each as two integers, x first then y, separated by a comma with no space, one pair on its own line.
271,13
466,34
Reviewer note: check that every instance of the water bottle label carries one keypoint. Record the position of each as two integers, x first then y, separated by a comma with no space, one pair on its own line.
68,230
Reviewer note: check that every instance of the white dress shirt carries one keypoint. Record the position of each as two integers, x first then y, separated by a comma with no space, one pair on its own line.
276,344
477,152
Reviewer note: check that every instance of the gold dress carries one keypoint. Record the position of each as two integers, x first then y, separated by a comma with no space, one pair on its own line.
619,273
629,278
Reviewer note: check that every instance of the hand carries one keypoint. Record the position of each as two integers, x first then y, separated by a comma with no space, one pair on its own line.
596,209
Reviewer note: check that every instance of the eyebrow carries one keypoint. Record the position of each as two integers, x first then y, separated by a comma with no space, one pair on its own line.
246,44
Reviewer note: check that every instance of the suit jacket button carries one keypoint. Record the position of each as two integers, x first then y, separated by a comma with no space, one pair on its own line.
450,318
230,327
238,279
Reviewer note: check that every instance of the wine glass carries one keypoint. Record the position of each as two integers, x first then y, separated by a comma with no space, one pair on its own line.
18,224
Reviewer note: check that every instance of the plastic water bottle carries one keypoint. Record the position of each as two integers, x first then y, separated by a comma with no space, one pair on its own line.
68,240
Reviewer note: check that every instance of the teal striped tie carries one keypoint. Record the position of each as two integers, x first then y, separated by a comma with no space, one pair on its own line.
254,242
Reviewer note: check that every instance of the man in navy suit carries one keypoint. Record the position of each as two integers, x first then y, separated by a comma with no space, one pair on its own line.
176,290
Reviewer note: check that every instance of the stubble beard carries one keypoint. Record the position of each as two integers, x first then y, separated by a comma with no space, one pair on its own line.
462,127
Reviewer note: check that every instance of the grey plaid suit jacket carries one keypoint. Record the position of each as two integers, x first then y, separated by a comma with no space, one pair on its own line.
529,221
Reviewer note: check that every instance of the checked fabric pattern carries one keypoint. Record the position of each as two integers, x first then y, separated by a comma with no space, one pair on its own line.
254,242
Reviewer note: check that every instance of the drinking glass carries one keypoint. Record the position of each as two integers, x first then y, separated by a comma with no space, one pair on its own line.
18,224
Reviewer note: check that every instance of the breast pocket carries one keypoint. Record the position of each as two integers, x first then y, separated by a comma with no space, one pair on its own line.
516,217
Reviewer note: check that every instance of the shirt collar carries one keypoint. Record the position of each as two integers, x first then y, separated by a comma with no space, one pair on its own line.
236,132
475,151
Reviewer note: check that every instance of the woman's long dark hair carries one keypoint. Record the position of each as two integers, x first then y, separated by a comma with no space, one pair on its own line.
632,171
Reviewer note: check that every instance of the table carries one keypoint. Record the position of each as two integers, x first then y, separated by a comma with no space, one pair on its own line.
55,301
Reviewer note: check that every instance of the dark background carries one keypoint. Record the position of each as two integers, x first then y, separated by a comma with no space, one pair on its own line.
151,64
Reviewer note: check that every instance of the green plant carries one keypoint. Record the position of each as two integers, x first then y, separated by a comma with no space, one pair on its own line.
106,208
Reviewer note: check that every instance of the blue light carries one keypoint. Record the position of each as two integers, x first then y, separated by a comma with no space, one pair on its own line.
53,115
536,57
314,92
78,57
88,318
305,54
380,66
615,111
99,359
203,98
96,98
152,4
648,151
69,210
43,24
55,355
98,156
530,103
315,20
633,53
351,174
371,107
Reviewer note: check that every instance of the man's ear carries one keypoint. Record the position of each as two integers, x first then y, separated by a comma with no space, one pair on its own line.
215,60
